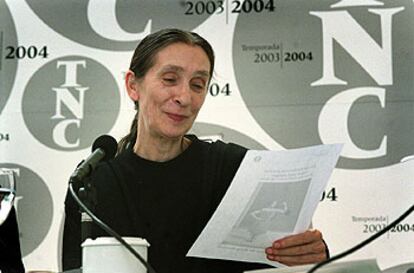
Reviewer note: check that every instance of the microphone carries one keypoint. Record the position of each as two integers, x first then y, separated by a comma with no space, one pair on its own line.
103,148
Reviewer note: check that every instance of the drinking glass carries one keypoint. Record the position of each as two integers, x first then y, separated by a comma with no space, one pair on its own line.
7,192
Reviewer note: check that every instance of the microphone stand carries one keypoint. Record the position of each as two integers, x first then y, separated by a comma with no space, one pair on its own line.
88,193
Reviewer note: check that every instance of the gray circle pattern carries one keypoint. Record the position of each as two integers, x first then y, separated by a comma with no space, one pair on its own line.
70,19
203,130
8,67
100,108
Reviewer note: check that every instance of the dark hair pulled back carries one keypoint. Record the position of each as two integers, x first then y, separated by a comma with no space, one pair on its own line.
144,58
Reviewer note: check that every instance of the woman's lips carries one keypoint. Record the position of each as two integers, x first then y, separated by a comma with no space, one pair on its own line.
176,117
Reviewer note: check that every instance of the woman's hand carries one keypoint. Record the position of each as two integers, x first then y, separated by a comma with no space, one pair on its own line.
303,248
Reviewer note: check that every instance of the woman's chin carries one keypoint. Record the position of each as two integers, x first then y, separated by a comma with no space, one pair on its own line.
175,133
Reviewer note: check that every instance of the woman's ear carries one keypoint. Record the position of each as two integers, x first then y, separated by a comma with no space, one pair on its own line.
131,85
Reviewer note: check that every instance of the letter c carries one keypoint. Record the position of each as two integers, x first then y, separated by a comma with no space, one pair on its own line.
333,122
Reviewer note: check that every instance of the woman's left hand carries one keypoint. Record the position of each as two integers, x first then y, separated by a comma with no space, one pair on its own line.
303,248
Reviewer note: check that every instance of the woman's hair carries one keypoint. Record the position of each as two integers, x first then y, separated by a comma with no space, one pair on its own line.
144,58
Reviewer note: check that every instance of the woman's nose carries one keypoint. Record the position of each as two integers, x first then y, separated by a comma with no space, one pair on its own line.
183,95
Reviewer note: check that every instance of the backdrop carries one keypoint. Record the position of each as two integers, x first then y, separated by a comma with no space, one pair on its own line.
290,73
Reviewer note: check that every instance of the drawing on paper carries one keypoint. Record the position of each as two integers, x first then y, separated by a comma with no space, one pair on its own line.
274,207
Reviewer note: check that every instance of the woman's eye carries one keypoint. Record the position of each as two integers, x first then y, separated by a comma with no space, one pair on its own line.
170,80
198,88
198,85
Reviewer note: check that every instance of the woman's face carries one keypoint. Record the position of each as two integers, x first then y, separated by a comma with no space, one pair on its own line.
172,91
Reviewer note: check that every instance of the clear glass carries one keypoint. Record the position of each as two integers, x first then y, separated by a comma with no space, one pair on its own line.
7,192
7,181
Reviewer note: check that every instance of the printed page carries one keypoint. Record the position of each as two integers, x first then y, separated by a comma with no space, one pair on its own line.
273,194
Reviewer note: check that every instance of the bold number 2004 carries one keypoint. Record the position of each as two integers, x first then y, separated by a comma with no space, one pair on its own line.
298,56
22,52
256,5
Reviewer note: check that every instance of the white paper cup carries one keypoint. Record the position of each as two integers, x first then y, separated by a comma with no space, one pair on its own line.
107,255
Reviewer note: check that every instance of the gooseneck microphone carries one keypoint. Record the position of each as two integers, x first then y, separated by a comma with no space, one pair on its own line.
103,148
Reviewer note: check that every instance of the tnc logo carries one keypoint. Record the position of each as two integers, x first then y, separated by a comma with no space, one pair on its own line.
355,88
69,102
340,27
65,97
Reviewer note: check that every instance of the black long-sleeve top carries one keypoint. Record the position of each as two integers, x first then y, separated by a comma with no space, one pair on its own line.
167,203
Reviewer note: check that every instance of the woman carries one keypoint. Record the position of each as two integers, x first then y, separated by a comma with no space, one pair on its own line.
164,185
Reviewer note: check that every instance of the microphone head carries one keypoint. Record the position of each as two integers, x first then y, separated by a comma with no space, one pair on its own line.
108,144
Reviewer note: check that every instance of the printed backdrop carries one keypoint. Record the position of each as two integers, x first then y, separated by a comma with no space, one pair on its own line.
290,73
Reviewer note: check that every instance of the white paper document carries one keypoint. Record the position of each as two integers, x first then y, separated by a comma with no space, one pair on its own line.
272,195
